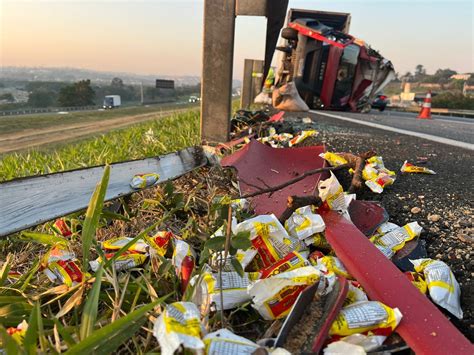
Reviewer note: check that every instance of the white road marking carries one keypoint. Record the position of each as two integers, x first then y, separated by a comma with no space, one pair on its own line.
399,130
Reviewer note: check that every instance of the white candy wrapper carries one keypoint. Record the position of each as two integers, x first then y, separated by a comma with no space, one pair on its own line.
273,297
442,285
269,238
181,250
389,243
179,324
234,288
224,342
332,194
303,223
140,181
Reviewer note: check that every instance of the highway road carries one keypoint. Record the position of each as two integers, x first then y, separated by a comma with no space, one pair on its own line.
455,131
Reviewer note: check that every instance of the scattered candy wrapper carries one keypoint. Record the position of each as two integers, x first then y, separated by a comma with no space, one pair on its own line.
126,261
179,325
61,228
376,175
224,341
329,263
302,136
293,260
184,261
442,285
234,288
61,266
317,240
371,318
389,243
332,195
417,281
273,297
354,344
160,242
303,223
355,294
333,159
115,244
410,168
18,332
269,238
140,181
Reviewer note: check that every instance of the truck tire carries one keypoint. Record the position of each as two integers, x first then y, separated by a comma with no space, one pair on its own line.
289,33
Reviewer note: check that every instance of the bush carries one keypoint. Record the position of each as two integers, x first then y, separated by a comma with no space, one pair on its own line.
453,101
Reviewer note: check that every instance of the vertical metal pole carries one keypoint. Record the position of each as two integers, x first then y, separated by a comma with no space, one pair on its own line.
257,78
245,95
141,92
217,65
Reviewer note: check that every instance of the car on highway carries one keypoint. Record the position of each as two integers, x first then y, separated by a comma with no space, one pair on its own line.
380,102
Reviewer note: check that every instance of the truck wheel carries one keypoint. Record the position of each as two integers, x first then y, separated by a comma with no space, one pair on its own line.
289,33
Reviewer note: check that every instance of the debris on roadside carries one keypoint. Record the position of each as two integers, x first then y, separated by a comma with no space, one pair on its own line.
410,168
141,181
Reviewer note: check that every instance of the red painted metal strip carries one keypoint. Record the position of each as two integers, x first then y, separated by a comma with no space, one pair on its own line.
316,35
425,329
330,75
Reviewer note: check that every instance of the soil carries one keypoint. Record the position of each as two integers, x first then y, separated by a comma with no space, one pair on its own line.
36,137
448,194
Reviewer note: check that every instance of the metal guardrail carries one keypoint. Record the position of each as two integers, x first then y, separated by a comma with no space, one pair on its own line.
28,111
436,111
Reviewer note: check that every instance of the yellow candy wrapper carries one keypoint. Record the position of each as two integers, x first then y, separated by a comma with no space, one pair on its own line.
376,175
410,168
302,136
303,223
389,243
269,239
365,316
354,294
160,242
61,266
18,332
442,285
140,181
234,288
127,260
417,281
273,297
225,342
317,240
115,244
330,263
292,261
179,325
333,159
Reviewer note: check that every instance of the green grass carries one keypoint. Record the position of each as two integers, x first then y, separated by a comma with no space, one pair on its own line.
12,124
167,134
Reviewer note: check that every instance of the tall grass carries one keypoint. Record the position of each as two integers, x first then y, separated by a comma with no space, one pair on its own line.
142,140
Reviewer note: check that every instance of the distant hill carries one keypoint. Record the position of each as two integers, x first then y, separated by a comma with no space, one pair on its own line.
99,77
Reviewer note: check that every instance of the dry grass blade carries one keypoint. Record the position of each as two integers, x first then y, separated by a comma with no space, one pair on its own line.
73,301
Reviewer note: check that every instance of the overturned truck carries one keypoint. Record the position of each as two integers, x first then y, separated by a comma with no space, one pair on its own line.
330,68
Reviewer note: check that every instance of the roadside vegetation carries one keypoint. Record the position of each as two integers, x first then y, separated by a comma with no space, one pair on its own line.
12,124
139,141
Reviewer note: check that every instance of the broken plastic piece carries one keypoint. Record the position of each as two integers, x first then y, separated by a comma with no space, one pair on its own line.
141,181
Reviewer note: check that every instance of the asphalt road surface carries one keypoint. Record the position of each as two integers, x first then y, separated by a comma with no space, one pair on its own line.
454,131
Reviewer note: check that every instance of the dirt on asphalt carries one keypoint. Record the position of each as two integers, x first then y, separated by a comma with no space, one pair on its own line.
37,137
442,204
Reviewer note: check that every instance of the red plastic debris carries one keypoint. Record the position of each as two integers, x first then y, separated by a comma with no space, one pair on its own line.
260,166
425,329
367,215
277,117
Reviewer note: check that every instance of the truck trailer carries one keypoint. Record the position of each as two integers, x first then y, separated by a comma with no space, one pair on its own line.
112,101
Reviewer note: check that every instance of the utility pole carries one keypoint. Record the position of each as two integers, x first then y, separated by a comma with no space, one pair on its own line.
141,92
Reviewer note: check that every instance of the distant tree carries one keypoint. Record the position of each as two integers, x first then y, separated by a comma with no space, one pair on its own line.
407,77
443,76
116,83
420,70
7,97
41,98
77,94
